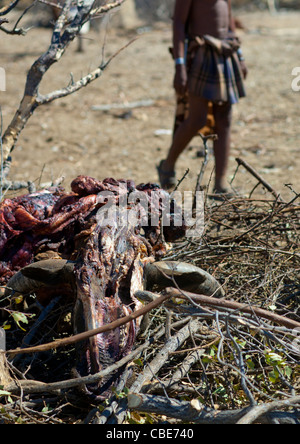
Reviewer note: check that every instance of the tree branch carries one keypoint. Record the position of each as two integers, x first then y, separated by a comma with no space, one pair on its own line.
232,305
106,8
160,359
16,30
83,82
6,9
85,335
260,179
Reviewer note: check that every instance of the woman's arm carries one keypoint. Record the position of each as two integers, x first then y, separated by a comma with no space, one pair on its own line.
180,19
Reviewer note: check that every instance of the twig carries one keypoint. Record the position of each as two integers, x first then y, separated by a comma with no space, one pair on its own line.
222,303
241,365
15,30
83,82
15,185
180,373
106,8
180,182
204,139
203,166
252,171
6,9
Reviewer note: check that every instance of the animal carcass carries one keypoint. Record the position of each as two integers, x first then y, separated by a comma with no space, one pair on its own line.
108,236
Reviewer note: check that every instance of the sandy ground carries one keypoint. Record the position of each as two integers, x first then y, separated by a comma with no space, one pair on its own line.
68,137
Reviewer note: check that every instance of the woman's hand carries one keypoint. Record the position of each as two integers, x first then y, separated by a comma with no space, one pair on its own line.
180,79
244,68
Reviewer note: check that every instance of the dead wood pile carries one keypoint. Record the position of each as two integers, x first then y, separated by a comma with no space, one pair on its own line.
196,362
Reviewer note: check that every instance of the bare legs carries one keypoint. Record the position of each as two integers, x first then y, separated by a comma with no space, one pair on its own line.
189,128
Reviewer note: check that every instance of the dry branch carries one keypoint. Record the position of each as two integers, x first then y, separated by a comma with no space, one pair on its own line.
172,384
15,30
6,9
232,305
76,86
152,368
260,179
106,8
194,412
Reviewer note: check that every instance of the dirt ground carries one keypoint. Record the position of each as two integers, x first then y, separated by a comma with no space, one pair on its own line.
69,137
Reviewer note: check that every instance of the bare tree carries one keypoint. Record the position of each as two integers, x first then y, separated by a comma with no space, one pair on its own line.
64,32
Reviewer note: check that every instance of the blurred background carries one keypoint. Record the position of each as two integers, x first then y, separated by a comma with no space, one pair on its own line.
162,9
74,135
